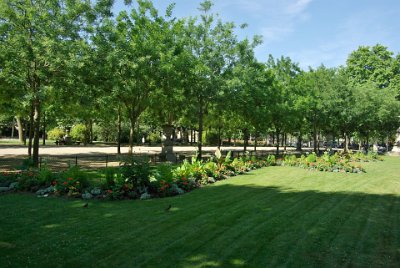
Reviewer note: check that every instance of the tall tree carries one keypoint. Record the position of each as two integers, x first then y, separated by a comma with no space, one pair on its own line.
213,48
134,57
38,40
283,111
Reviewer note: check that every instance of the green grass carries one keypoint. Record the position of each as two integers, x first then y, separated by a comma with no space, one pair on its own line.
277,216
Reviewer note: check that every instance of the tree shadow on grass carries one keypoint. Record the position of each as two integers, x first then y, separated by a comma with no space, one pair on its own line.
220,226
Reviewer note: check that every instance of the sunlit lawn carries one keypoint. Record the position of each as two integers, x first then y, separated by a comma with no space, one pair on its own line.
277,216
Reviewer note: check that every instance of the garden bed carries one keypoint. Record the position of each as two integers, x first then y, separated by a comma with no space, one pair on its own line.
137,179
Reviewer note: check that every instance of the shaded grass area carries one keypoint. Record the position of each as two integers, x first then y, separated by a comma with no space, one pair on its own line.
276,216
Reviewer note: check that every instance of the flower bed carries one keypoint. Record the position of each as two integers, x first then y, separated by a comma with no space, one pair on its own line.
138,180
329,163
133,179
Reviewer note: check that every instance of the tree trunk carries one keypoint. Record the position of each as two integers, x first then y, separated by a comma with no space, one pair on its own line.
387,143
119,131
246,139
86,138
138,139
285,142
25,129
255,141
30,137
12,129
131,133
277,142
200,139
346,143
299,142
185,135
44,129
36,138
315,134
174,135
91,136
20,129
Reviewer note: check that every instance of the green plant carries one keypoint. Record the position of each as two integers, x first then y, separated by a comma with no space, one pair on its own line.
27,164
137,172
73,182
154,137
164,171
28,180
56,134
45,175
228,158
78,132
7,177
271,160
311,158
111,174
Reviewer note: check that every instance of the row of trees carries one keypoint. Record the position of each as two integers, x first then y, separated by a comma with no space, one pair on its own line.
64,62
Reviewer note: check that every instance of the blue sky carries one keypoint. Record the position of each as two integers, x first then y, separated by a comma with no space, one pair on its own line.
310,32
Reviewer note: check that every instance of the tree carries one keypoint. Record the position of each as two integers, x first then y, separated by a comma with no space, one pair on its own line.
168,102
212,44
283,111
372,64
39,41
376,71
134,58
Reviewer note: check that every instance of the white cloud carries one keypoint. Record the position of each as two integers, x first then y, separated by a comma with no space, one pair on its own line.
276,33
284,20
298,6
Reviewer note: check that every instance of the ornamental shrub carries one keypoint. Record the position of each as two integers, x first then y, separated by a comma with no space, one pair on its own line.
55,134
271,160
78,132
137,172
312,158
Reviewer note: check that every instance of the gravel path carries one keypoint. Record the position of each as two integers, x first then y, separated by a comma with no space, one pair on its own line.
13,151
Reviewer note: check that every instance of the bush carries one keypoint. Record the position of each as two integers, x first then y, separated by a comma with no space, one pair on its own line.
111,175
312,158
335,163
6,178
78,132
45,176
211,138
154,138
271,160
72,182
137,172
55,134
28,180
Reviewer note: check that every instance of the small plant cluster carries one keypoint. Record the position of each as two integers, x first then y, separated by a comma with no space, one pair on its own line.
363,157
329,163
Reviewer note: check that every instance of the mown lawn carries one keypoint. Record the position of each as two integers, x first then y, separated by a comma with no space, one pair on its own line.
277,216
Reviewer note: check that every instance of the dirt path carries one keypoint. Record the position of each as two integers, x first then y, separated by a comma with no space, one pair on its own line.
13,151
